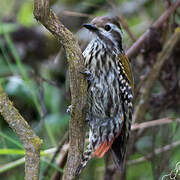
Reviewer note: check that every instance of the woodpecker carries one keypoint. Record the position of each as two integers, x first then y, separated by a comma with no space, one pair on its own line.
110,92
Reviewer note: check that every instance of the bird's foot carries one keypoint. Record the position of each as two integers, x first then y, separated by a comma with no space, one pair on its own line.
68,110
87,75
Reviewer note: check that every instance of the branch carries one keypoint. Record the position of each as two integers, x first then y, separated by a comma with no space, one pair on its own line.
156,152
31,142
126,27
134,49
164,55
153,123
78,84
65,147
148,156
135,127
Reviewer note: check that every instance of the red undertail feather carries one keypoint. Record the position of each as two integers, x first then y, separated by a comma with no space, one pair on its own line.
103,148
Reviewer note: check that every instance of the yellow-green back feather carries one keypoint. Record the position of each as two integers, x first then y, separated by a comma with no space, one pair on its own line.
127,69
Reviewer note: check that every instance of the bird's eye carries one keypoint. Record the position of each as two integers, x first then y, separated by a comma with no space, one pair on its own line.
107,27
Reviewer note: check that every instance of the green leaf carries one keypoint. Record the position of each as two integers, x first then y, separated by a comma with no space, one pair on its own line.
25,15
12,152
8,151
11,140
52,165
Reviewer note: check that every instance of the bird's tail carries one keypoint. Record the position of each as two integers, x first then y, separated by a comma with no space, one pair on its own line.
86,157
118,149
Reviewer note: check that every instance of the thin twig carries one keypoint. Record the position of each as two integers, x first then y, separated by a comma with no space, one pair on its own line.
50,82
153,123
43,106
32,143
148,156
134,49
63,140
156,152
126,27
61,162
139,86
77,14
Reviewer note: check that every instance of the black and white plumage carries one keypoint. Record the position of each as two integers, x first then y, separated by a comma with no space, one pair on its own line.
110,91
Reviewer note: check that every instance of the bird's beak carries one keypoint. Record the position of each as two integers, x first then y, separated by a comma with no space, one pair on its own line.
90,27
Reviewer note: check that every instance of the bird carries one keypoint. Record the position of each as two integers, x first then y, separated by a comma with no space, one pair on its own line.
109,93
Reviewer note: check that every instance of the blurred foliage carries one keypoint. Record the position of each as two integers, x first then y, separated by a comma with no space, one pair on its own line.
33,72
7,27
25,14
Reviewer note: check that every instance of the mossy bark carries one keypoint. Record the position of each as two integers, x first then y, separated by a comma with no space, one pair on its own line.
31,142
78,85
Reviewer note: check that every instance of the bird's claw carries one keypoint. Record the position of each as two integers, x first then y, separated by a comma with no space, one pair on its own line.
87,75
68,110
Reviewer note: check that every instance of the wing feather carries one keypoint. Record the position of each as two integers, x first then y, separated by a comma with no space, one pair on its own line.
127,69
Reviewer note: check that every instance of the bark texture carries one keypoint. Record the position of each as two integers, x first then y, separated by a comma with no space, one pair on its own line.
32,143
78,85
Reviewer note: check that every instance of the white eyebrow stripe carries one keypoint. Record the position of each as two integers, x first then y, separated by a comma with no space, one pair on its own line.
114,27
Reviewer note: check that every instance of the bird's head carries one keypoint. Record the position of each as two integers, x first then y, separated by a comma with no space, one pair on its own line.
107,29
